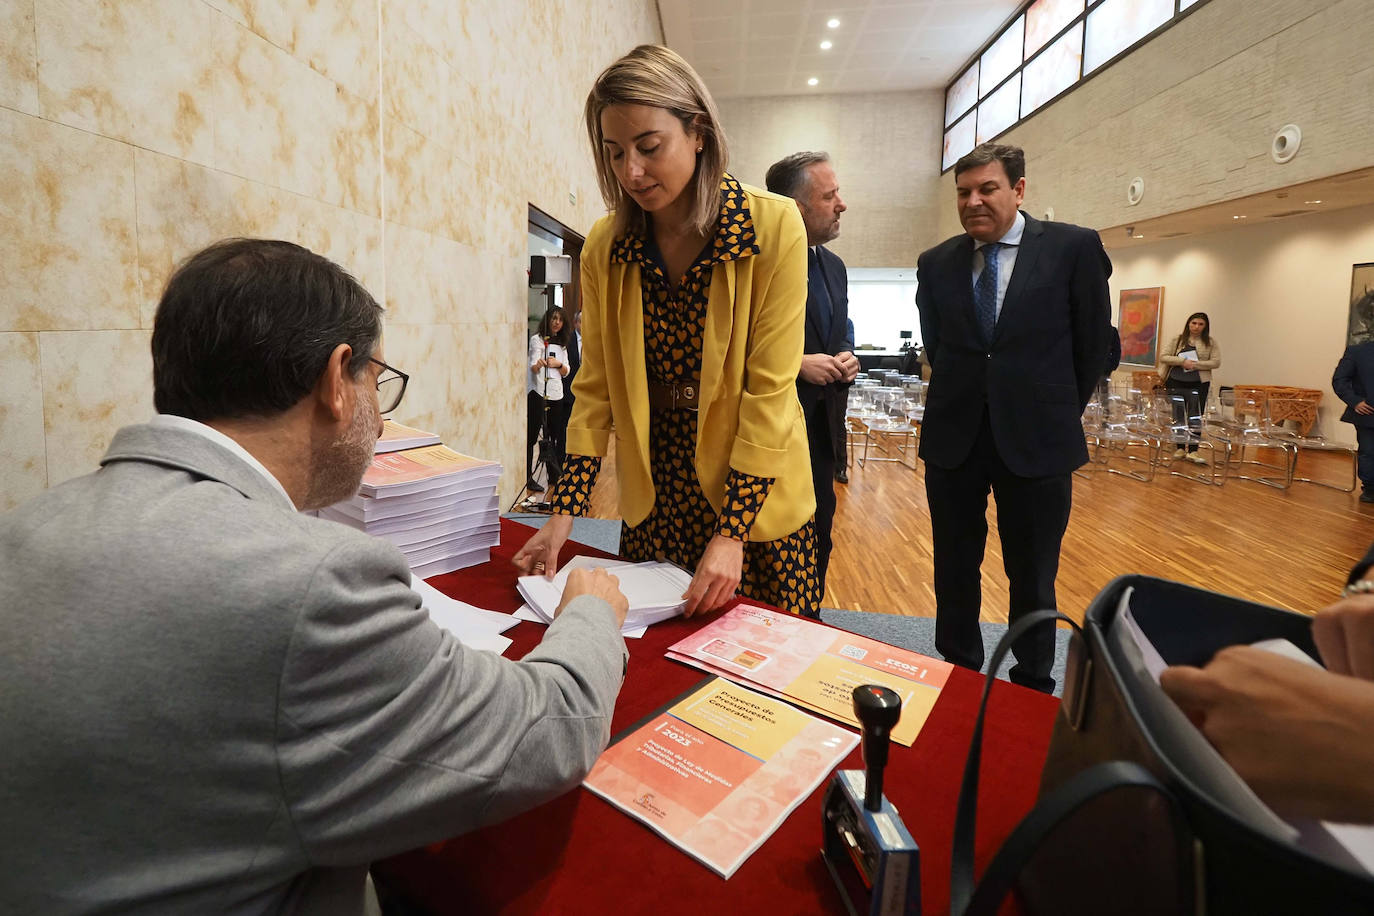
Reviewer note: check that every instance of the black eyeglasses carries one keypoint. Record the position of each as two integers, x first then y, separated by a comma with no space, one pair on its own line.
391,386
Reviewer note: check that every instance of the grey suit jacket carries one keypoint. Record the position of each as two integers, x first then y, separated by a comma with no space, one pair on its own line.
210,703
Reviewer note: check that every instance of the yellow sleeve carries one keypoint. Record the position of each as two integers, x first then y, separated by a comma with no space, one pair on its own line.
768,408
589,427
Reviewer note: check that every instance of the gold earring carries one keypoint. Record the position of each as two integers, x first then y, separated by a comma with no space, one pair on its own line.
698,149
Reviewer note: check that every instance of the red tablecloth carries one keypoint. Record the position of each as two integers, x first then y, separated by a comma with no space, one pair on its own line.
577,854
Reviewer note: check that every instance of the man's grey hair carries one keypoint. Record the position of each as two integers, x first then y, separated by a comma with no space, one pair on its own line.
788,176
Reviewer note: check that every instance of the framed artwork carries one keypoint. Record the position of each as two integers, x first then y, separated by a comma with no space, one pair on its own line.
1137,321
1361,327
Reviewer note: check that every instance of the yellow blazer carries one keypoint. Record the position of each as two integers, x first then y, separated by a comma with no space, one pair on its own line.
750,418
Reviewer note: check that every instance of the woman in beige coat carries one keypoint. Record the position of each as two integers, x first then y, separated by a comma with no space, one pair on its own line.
1186,368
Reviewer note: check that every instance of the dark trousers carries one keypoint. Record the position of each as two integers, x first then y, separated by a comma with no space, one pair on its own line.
1364,439
1197,403
821,439
554,447
1032,514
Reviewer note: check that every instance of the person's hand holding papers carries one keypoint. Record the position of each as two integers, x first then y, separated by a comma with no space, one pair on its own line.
599,584
717,576
1301,737
540,553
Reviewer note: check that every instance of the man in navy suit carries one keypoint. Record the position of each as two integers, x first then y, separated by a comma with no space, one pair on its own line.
1353,382
1015,319
828,365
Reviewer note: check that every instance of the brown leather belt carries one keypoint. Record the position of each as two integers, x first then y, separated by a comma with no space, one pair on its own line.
673,395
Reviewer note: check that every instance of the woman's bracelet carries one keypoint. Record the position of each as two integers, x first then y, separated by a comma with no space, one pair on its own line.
1358,587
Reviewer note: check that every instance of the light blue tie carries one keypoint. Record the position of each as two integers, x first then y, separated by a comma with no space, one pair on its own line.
985,291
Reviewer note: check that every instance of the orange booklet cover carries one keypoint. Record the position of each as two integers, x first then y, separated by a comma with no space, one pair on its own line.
417,469
396,437
813,665
717,771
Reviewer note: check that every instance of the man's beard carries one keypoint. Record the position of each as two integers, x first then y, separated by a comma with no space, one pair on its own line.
337,468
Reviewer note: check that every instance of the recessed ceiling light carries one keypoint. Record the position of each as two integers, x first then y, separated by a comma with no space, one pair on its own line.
813,81
827,45
1137,236
1311,201
832,23
1242,216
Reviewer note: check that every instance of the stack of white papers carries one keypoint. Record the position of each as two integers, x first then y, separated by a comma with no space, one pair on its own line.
472,626
439,507
653,589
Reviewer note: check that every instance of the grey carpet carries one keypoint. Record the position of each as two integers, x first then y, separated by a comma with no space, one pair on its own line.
914,633
601,533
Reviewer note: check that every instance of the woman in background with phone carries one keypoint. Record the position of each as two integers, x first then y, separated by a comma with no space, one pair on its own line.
548,365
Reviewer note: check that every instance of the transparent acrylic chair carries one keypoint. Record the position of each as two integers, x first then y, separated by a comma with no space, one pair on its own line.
892,431
1312,440
1179,417
1126,435
1250,439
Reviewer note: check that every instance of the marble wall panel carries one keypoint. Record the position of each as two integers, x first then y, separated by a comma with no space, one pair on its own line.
281,123
18,57
487,396
432,279
137,70
68,244
23,468
419,84
428,353
431,189
337,39
184,207
94,382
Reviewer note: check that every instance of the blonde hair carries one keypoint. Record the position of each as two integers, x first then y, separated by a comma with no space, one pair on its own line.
657,76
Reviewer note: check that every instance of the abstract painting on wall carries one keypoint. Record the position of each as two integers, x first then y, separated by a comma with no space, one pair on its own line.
1138,323
1361,327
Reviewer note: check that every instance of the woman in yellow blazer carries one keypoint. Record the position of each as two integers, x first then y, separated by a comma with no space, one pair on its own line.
694,299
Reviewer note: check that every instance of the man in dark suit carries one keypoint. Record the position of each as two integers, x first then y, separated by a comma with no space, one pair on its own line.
1353,382
828,365
1015,319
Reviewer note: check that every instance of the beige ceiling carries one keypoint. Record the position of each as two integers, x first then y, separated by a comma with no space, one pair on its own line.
1351,189
772,47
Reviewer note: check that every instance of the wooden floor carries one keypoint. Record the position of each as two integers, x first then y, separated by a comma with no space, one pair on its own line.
1292,548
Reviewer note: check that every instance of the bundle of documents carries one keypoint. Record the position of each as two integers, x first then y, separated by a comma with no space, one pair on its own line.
813,665
718,771
439,507
653,589
396,437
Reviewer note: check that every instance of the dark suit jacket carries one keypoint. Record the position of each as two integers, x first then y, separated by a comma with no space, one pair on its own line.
1353,382
837,283
1042,364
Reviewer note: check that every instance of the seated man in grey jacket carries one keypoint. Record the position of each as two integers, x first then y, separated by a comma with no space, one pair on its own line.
212,703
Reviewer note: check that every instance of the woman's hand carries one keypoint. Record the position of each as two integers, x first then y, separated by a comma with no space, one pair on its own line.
1190,364
553,362
717,576
540,553
538,364
1344,633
